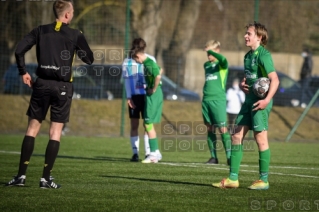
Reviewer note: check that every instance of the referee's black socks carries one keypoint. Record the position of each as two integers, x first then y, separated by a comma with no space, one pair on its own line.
26,152
50,156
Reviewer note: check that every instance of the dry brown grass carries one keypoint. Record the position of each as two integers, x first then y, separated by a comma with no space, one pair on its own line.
103,118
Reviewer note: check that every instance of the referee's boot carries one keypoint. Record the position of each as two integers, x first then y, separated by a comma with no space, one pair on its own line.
48,184
17,181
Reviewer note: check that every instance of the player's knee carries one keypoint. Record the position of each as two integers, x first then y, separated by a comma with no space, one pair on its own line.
148,127
236,138
209,127
222,130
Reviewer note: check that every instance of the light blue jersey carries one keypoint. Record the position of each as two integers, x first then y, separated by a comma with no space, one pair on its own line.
133,75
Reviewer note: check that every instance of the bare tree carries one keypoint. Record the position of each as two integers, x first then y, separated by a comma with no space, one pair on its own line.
12,27
38,13
175,55
167,27
47,12
146,21
169,13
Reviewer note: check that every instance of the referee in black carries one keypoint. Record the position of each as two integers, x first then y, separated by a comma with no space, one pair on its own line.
56,44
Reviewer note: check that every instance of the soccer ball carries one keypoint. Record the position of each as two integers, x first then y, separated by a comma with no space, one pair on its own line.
261,87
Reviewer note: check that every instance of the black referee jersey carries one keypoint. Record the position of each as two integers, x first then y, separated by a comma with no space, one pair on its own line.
56,45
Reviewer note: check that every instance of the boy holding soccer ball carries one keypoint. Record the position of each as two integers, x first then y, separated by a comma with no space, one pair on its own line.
255,111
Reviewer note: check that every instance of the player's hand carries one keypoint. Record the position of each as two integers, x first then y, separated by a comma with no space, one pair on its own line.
150,91
26,78
243,86
131,103
161,71
260,105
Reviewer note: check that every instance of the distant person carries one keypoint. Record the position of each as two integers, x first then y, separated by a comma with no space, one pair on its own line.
153,100
56,44
255,111
305,76
235,98
133,74
307,65
214,100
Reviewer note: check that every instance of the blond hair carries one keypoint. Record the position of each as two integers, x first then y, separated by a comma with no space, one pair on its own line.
60,6
213,44
260,30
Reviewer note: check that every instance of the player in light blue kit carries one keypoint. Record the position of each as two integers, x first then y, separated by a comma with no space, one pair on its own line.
133,75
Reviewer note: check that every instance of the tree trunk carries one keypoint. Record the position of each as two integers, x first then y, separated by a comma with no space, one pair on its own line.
47,12
175,56
146,21
169,13
10,32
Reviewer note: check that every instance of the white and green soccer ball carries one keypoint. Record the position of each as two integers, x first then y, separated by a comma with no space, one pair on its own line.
261,87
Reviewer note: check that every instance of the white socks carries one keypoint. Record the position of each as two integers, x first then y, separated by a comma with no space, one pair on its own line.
146,145
135,143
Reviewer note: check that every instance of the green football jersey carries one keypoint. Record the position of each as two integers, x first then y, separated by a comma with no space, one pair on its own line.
257,64
216,74
151,71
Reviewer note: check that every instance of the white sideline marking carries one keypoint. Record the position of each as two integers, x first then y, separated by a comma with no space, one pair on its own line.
248,166
10,152
221,168
284,167
196,165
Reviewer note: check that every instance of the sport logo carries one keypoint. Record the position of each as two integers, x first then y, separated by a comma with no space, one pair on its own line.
212,65
211,77
50,67
63,93
253,62
249,75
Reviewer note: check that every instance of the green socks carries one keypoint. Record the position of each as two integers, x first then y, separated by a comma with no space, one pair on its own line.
236,157
153,144
211,141
227,143
264,160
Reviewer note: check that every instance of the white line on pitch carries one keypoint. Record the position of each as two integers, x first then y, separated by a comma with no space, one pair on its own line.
254,166
284,167
221,168
9,152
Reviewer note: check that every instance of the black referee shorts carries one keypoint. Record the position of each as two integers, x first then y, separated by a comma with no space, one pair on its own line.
139,101
56,94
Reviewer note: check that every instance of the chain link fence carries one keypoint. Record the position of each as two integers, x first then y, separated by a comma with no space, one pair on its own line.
175,32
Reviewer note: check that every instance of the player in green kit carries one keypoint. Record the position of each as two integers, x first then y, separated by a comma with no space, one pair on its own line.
154,101
255,111
214,100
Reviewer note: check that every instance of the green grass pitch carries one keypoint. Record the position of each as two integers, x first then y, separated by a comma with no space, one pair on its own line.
96,175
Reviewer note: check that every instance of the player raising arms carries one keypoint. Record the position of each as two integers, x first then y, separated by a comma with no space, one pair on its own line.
154,100
214,100
255,112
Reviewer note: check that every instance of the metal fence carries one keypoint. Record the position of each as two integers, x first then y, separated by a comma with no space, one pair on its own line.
175,32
